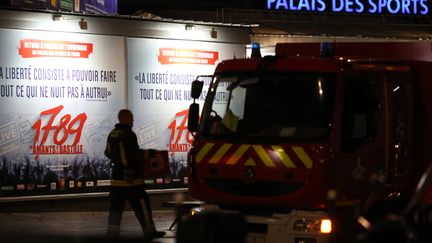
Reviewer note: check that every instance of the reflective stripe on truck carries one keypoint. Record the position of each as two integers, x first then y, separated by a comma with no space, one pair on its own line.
252,155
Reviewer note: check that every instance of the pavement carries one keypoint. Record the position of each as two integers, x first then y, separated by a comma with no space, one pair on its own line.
65,227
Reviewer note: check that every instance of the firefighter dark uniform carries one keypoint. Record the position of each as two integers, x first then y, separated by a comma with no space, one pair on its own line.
127,181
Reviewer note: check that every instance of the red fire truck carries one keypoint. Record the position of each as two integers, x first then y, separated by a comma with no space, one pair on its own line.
297,140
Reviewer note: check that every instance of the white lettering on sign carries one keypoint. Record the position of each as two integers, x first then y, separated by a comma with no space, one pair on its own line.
401,7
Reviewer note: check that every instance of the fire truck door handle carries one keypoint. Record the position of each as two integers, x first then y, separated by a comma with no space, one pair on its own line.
399,148
192,164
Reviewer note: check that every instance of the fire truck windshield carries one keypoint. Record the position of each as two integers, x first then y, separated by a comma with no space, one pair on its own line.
275,106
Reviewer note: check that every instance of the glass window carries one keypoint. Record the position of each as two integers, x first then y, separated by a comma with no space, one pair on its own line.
361,113
296,106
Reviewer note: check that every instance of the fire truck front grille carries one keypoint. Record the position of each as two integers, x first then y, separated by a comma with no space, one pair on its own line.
253,189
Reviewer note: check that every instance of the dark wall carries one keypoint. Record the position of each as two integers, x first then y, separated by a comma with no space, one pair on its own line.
130,6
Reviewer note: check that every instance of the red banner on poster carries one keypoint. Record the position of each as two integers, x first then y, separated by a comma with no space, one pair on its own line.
30,48
187,56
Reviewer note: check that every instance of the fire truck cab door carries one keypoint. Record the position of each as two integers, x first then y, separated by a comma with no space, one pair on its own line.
374,137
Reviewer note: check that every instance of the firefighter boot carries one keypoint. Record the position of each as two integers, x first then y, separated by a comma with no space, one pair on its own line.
153,233
158,234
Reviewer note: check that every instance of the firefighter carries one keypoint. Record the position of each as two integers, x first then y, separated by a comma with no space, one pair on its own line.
127,180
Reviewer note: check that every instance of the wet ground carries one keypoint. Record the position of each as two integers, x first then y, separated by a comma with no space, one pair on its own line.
62,227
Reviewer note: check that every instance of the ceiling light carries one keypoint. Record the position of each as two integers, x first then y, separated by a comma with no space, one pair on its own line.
57,17
190,27
213,33
83,24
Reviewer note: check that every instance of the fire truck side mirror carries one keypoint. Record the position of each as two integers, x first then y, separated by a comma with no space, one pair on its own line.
197,87
193,117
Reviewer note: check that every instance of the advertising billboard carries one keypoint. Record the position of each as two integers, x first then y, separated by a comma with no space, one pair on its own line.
59,95
160,73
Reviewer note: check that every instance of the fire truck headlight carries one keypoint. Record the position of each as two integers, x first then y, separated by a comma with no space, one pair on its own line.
326,226
323,226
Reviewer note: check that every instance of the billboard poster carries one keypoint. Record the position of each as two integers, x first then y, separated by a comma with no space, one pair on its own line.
160,73
59,95
98,6
85,6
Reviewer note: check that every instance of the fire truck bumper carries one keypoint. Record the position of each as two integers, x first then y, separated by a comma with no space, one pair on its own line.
297,227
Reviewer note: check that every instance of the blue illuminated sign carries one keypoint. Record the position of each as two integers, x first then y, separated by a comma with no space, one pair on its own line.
404,7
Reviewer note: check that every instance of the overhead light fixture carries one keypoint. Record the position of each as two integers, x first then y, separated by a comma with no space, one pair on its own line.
213,33
83,24
190,27
57,17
